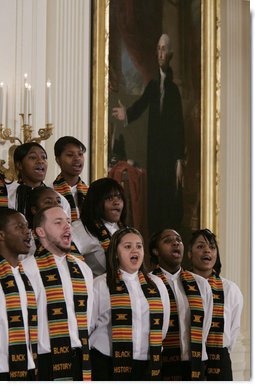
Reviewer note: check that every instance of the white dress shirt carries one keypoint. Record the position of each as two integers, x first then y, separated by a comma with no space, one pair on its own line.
101,336
32,271
90,247
233,305
12,199
183,310
4,340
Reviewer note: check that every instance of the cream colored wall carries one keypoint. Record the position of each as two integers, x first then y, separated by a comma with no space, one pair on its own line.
68,66
235,136
47,40
51,39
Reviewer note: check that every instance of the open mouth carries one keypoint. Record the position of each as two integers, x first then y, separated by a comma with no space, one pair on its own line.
134,259
115,210
66,238
27,242
206,258
176,252
77,167
40,169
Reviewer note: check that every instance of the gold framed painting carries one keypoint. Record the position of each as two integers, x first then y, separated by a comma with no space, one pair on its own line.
125,59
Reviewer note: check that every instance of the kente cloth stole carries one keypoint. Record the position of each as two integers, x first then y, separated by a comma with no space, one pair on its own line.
57,314
122,329
18,361
74,250
214,344
171,356
196,319
62,187
3,193
103,235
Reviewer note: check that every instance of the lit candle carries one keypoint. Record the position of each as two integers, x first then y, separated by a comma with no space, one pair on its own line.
6,107
29,109
26,104
1,102
25,99
48,120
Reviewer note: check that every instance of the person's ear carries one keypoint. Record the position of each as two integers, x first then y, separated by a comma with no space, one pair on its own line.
155,251
2,234
33,210
189,255
57,160
18,166
40,232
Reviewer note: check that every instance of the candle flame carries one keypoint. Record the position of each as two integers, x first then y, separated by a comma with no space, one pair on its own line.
48,83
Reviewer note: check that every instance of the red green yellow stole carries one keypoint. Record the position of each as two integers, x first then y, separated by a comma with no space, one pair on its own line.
3,193
122,329
103,235
57,314
18,361
62,187
171,356
196,318
214,345
74,250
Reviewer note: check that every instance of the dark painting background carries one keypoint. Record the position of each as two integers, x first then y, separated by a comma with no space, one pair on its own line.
135,27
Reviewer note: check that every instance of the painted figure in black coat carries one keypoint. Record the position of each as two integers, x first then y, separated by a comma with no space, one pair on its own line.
165,143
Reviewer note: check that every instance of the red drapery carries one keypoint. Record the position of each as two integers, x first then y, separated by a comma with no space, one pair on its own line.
139,24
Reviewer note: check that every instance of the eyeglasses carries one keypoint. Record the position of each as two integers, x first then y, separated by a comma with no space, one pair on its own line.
112,197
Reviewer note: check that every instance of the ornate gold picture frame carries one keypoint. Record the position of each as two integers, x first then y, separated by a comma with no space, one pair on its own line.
209,104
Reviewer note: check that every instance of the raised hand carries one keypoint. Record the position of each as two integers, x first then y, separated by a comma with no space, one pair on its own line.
119,112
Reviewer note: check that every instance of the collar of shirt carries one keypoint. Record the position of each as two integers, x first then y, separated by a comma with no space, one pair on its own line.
15,270
129,276
171,276
111,226
162,74
59,259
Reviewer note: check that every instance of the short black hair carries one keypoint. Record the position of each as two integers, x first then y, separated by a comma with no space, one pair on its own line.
62,142
5,213
153,244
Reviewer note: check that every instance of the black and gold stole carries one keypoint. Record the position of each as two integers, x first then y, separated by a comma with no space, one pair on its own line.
216,363
103,235
3,192
57,314
122,329
18,361
62,187
196,318
171,356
